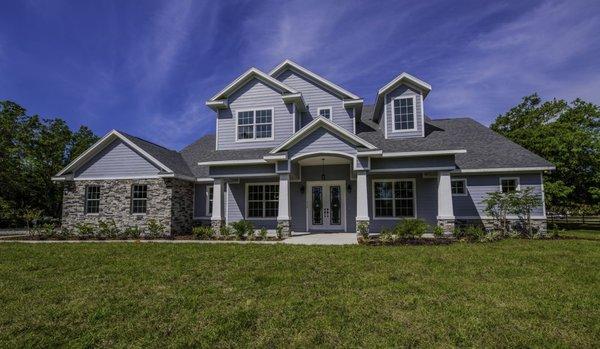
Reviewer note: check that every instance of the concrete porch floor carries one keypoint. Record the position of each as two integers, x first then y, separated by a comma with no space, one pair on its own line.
299,238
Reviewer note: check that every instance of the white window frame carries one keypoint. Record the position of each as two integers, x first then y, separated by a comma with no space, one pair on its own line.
85,202
394,217
394,129
464,180
139,199
254,139
263,218
326,108
518,188
207,211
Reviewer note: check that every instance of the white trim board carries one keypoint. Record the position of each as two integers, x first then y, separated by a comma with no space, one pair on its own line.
505,169
247,76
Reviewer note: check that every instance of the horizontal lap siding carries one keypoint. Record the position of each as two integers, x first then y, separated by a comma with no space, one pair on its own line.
321,140
479,186
236,203
403,91
116,160
317,97
426,200
413,162
241,170
255,94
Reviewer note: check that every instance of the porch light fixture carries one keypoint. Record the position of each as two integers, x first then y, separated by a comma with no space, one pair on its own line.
323,170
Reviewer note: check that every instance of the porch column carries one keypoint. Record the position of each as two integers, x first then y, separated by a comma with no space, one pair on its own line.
362,204
216,220
445,216
283,217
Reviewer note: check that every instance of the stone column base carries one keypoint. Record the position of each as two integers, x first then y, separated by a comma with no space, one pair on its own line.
446,224
362,230
285,226
216,225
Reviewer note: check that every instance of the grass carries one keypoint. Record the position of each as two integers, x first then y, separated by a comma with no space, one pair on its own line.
511,293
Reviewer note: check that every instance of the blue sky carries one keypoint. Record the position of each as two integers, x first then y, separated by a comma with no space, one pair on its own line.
148,67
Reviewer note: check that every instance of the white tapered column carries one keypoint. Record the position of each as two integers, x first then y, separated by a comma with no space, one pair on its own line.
216,220
283,216
362,202
445,216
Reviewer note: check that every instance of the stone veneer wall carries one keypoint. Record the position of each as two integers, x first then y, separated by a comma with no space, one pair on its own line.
538,224
170,202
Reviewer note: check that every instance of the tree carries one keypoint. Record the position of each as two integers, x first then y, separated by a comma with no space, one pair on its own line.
566,134
32,150
523,202
498,205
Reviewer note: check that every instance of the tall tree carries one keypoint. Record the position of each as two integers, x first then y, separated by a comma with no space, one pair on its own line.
31,151
566,134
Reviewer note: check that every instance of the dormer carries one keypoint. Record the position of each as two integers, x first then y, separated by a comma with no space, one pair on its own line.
322,97
399,105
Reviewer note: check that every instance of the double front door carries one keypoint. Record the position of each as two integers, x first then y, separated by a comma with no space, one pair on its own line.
326,205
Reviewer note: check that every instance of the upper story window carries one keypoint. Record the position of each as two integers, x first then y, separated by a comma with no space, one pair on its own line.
508,185
459,187
404,109
254,124
324,112
92,199
139,198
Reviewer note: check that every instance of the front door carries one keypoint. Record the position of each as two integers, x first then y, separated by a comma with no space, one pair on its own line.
326,205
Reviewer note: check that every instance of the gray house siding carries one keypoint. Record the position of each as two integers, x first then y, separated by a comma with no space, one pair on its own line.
255,94
479,185
317,97
403,91
426,200
232,171
117,160
235,202
430,162
321,140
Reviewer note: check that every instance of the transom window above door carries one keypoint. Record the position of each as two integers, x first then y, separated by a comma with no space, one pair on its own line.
254,124
404,113
325,112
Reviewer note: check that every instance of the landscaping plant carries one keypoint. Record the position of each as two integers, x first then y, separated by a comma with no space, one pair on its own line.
241,228
155,229
523,203
410,228
363,231
108,229
437,231
84,230
132,232
225,231
203,232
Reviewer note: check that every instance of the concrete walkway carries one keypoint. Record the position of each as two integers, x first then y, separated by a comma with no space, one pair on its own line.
296,239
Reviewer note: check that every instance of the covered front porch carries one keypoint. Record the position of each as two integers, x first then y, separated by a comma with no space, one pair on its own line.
331,192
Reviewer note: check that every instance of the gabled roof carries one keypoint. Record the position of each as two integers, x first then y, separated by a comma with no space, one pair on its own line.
288,64
169,161
247,76
403,78
328,125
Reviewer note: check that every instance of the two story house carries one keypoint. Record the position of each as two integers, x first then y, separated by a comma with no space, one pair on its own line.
294,149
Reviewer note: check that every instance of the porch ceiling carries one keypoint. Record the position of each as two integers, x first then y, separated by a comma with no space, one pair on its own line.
319,160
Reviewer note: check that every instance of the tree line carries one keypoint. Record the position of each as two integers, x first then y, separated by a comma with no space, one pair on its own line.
32,150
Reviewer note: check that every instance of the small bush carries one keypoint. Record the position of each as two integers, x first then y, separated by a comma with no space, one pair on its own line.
63,233
84,230
108,229
46,231
225,231
132,232
241,228
363,230
279,231
155,229
473,233
262,233
203,232
386,236
437,231
410,228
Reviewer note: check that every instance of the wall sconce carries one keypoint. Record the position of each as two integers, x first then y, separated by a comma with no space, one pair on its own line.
302,188
349,188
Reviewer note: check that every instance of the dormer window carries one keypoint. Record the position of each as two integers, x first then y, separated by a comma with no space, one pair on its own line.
324,112
256,124
404,114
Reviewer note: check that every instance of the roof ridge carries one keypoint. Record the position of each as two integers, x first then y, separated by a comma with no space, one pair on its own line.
145,140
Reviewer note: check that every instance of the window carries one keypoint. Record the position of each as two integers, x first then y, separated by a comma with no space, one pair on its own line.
255,124
209,200
509,184
394,198
262,200
324,112
404,114
459,187
92,199
139,198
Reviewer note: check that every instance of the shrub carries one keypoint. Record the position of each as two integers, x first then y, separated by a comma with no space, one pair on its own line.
155,229
84,230
108,229
410,228
437,231
386,236
363,230
31,217
241,228
132,232
46,231
279,231
473,233
225,231
203,232
63,233
263,233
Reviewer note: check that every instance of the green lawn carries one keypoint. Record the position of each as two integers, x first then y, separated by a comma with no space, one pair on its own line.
510,293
